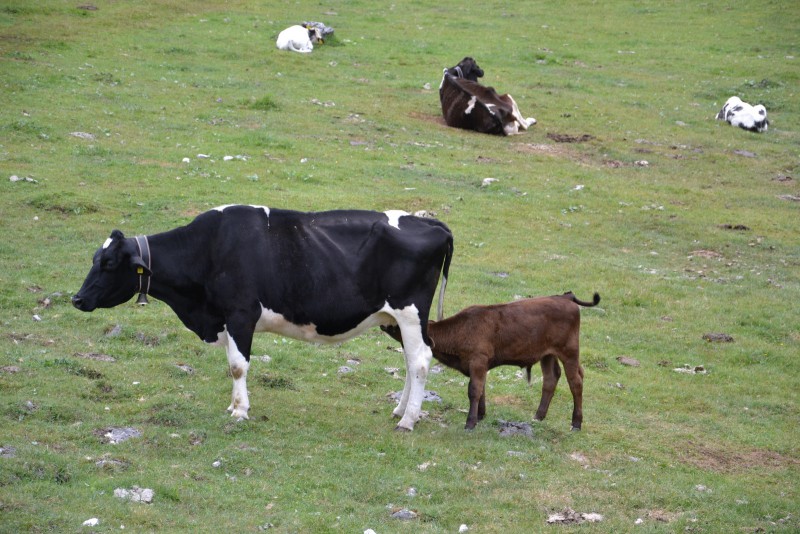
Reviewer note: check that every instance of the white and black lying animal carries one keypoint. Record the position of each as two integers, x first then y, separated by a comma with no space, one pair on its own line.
469,105
741,114
299,38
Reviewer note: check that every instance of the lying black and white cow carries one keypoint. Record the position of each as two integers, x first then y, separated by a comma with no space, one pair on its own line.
321,277
741,114
469,105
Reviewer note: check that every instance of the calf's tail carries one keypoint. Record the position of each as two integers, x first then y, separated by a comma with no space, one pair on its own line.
571,296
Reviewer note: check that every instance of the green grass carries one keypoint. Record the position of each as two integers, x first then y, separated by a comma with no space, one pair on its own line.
352,125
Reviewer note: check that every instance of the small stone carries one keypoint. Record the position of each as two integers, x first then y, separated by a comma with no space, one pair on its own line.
511,428
116,435
216,463
91,522
185,160
626,360
463,528
488,181
405,514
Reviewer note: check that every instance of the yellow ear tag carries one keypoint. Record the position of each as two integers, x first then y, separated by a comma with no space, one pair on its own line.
140,270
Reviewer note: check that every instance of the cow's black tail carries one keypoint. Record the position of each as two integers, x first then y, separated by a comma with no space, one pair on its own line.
445,270
571,296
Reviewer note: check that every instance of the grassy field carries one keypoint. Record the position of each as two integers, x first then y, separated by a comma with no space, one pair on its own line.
627,186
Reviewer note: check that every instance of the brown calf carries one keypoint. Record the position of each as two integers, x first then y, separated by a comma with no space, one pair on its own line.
524,332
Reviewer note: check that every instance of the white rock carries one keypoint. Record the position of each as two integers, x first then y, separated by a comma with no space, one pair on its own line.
592,517
227,158
369,531
462,529
203,156
186,160
488,181
91,522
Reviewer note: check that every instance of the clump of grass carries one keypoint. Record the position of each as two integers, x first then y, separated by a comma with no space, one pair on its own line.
265,103
66,203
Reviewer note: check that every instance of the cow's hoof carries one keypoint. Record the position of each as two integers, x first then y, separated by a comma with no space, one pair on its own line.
239,414
399,428
576,429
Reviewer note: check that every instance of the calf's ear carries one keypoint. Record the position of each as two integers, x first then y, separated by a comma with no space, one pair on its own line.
139,266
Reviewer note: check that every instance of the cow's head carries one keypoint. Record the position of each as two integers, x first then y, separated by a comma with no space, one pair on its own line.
468,69
114,276
314,34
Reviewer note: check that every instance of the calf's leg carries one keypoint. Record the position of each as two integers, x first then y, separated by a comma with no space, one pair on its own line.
574,372
476,394
551,372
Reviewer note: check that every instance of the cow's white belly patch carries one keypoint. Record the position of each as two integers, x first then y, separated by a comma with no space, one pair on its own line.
277,324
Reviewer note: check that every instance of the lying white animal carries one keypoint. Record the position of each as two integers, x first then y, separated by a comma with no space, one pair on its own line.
741,114
299,39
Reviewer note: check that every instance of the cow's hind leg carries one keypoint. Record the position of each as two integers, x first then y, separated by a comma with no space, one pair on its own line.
239,343
551,372
418,358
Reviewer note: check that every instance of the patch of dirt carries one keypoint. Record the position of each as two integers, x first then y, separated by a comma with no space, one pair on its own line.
708,254
718,338
507,400
566,138
720,460
95,356
427,117
738,227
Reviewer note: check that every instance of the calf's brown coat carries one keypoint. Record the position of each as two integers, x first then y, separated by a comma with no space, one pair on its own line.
542,330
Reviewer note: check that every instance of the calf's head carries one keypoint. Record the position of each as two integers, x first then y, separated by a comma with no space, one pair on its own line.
114,276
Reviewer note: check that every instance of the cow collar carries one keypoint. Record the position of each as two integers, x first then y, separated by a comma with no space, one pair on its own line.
459,72
144,279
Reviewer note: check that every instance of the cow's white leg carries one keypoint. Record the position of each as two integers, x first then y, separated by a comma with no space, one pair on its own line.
418,358
240,403
522,121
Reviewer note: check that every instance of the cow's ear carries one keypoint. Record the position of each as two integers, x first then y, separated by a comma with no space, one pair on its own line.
139,266
116,234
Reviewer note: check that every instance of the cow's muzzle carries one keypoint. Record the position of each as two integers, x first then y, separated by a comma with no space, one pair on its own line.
79,303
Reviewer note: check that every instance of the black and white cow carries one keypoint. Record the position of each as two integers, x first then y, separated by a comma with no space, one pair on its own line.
741,114
469,105
321,277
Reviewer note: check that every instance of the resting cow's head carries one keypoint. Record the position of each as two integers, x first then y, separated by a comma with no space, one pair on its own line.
114,276
314,34
468,69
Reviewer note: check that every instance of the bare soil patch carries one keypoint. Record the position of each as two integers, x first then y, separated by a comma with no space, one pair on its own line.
427,117
567,138
731,460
